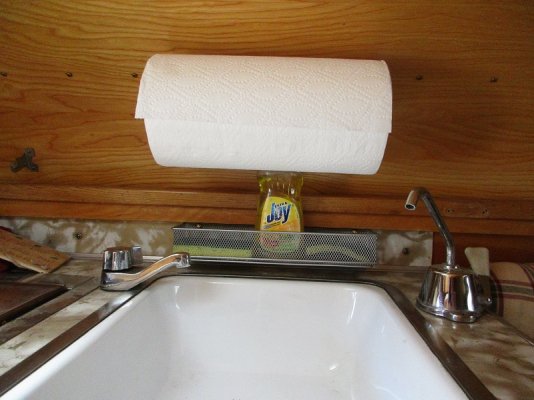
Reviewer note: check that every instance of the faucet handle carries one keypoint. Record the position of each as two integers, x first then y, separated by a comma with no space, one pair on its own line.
121,258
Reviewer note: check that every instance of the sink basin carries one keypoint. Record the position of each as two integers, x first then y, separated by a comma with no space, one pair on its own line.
201,337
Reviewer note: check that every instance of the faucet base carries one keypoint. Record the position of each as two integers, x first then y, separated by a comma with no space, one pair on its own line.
450,293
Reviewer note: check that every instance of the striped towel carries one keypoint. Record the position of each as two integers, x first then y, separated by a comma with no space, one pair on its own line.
513,294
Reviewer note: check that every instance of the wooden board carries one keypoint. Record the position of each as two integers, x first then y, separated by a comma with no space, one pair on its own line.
26,253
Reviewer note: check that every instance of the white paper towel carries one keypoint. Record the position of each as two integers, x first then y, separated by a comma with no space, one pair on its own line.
266,113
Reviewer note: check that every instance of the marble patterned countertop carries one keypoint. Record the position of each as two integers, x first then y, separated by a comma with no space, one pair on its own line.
495,352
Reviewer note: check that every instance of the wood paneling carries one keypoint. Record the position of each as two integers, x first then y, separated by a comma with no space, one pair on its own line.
462,116
501,247
371,212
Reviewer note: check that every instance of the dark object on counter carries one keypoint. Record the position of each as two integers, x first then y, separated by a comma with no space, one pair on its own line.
10,272
17,298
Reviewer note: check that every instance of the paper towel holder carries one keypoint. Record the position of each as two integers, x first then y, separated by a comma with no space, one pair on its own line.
229,109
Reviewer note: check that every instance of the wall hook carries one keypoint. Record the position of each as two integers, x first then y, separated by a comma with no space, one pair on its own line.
25,160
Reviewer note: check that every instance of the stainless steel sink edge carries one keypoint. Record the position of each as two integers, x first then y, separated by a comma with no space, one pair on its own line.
464,377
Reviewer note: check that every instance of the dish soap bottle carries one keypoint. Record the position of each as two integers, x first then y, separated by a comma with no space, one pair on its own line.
279,206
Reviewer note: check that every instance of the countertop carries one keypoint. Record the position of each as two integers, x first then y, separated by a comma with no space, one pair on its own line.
496,353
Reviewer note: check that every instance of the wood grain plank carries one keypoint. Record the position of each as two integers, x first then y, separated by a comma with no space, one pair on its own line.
377,205
501,247
179,214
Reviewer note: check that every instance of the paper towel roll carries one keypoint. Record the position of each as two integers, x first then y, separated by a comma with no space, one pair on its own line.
266,113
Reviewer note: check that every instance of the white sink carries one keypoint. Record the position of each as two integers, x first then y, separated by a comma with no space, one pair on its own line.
205,338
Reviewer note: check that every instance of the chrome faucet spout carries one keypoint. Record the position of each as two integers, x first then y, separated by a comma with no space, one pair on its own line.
448,290
411,204
111,280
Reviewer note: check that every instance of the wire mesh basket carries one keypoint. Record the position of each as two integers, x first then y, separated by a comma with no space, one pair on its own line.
242,243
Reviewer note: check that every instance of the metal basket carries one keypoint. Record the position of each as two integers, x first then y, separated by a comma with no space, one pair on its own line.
242,243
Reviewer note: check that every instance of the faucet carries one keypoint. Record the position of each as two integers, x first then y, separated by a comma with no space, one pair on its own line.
119,272
448,290
411,203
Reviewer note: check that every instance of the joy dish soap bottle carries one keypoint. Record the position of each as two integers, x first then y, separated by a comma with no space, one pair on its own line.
280,209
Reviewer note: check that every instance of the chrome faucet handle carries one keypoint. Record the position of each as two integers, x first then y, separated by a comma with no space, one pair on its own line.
125,280
121,258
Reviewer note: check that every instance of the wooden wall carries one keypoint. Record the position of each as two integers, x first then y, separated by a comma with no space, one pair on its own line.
462,115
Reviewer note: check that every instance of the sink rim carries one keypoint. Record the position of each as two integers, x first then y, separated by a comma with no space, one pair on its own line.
453,364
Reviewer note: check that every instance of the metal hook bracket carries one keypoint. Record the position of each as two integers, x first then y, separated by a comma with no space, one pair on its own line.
25,161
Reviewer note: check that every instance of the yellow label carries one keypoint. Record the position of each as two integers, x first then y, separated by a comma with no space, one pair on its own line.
279,214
